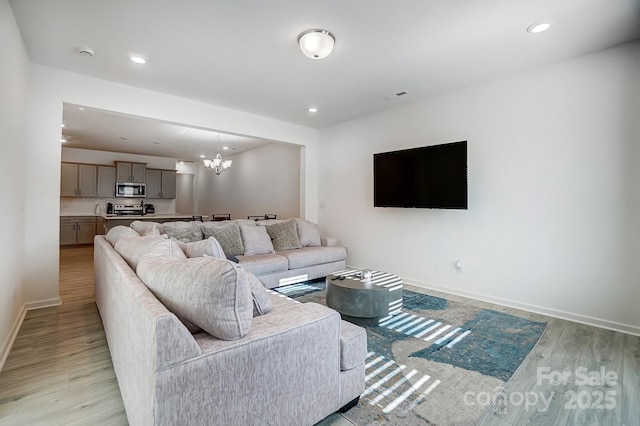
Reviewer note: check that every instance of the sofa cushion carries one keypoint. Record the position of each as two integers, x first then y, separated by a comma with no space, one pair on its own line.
211,293
144,227
308,232
208,247
284,235
133,249
118,232
309,256
228,235
186,235
255,240
262,264
265,222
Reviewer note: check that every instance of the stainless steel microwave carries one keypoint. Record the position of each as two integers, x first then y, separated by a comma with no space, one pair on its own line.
130,190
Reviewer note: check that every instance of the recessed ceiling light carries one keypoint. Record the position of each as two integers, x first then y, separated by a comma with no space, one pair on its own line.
62,139
62,125
202,156
312,109
138,59
538,27
81,109
225,147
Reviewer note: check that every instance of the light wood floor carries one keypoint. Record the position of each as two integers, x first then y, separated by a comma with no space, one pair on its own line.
59,371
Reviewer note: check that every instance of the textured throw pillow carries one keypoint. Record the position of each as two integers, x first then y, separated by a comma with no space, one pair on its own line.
308,232
133,249
255,240
228,236
284,235
262,304
213,294
181,224
118,232
209,247
186,235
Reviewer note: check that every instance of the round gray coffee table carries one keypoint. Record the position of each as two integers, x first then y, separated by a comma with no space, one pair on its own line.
353,297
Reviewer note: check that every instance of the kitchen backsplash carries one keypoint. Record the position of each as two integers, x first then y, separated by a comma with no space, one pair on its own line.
70,206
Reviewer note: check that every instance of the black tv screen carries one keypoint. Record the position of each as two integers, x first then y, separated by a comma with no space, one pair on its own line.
427,177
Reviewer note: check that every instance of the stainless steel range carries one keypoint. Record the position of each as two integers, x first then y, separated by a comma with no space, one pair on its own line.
128,209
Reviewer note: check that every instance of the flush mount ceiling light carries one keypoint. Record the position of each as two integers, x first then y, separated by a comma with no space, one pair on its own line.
316,44
538,27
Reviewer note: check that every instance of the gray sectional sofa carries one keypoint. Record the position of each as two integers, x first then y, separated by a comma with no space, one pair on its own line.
199,341
275,261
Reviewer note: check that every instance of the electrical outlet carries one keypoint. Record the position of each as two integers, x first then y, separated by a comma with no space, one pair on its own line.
458,266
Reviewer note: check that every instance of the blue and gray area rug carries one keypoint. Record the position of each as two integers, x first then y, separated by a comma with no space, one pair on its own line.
438,362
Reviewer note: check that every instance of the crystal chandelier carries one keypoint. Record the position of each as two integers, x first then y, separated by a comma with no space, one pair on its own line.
218,165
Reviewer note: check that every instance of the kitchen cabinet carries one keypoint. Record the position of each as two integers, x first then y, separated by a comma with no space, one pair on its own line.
77,230
161,183
106,182
131,172
100,226
78,180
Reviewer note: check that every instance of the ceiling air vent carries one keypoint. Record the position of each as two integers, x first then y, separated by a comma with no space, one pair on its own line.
396,95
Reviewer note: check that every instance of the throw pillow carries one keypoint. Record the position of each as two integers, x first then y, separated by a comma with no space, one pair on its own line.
208,247
228,236
144,227
284,235
262,304
186,235
308,232
133,249
118,232
255,240
210,293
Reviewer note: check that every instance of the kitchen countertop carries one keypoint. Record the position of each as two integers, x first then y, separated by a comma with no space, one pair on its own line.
152,217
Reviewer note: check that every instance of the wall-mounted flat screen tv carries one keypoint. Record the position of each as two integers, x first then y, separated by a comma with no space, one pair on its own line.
433,177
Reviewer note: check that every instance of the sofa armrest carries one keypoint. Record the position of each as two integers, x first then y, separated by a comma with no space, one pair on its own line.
281,320
329,242
353,345
286,368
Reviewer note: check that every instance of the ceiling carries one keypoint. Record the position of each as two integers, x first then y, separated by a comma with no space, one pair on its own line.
243,54
90,128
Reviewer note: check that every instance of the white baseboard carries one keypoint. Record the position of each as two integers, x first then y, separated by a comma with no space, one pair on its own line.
570,316
47,303
8,343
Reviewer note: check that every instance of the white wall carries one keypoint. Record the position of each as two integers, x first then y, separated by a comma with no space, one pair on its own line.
262,180
49,88
554,191
12,173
